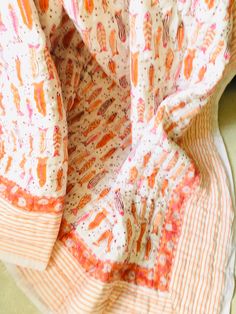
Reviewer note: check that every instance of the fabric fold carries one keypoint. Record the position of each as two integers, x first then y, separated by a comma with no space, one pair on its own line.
34,158
107,114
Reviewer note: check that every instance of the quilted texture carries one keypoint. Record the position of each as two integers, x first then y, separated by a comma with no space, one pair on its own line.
108,120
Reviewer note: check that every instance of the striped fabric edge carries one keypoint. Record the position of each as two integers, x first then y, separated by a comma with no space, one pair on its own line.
229,74
27,238
192,293
230,274
64,287
220,300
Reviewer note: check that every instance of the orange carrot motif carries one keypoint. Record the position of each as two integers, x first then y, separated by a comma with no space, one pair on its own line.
129,231
140,238
134,68
104,192
89,6
94,105
9,163
210,3
151,76
157,39
201,73
93,125
18,70
69,72
78,158
26,12
148,248
87,177
42,171
146,159
43,5
147,30
2,107
180,35
69,187
105,139
108,154
84,201
152,177
16,97
87,87
107,235
157,222
39,98
134,212
111,118
112,66
101,36
113,43
133,174
169,61
159,117
97,220
2,149
22,163
188,63
94,94
59,179
164,186
87,165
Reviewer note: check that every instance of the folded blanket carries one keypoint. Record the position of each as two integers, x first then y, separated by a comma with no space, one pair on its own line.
115,188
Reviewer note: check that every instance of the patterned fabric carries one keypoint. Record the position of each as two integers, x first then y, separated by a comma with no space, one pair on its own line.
107,113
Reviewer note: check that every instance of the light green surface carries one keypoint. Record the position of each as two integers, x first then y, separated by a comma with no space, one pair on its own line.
13,301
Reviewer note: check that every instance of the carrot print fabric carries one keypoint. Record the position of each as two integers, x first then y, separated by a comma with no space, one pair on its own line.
112,187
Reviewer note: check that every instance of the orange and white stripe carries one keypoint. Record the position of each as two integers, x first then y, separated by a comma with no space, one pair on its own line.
27,238
64,287
198,279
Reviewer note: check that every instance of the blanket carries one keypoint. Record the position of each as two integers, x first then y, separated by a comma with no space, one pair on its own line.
115,188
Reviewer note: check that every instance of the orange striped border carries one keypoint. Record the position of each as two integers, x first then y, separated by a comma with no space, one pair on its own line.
198,277
64,287
157,277
27,238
